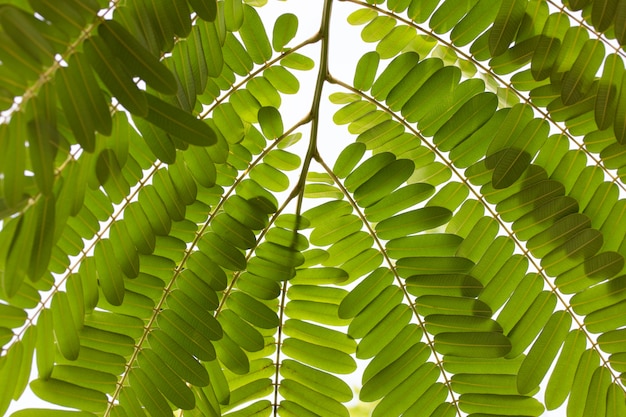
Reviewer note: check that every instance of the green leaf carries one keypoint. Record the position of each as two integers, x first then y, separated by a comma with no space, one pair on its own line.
482,14
447,15
282,160
500,404
614,404
395,41
611,341
222,253
148,393
253,311
498,289
317,380
313,333
599,296
411,389
348,247
208,270
27,346
413,221
113,342
43,138
19,26
308,399
124,250
282,79
440,244
178,358
542,353
500,384
13,367
194,287
605,319
45,344
388,378
194,315
352,111
442,323
241,332
254,36
115,77
160,143
201,166
43,237
446,79
535,318
335,229
382,183
75,100
398,200
579,247
439,304
191,339
548,47
285,29
361,16
473,344
366,71
136,58
233,14
69,395
508,21
271,122
596,403
232,356
435,284
384,332
374,312
393,74
168,382
42,412
179,255
109,273
578,80
236,57
433,265
325,358
88,378
582,380
206,10
471,116
297,61
377,28
179,123
64,330
365,292
212,47
97,106
619,126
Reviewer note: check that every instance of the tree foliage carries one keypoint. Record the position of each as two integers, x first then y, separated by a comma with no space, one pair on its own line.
467,244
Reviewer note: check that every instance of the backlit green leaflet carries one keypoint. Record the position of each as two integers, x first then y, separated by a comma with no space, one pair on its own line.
334,208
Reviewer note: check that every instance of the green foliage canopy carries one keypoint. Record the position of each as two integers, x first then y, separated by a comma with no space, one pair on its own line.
168,244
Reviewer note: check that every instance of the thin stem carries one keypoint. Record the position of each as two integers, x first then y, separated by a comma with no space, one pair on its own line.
322,77
279,341
312,152
391,265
